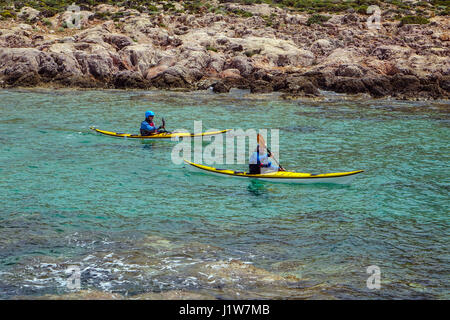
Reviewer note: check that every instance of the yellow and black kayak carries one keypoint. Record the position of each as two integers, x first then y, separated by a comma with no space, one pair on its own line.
164,135
282,176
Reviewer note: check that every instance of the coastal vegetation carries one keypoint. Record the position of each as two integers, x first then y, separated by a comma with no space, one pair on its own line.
317,18
414,20
48,8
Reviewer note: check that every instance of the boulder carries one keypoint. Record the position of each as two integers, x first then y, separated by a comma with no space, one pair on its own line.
101,67
260,86
172,77
106,8
230,73
295,19
348,85
155,71
241,63
321,46
349,70
67,65
140,57
216,61
128,79
119,41
75,19
300,85
405,83
29,14
221,87
139,27
14,40
16,63
48,68
378,86
444,83
277,52
391,52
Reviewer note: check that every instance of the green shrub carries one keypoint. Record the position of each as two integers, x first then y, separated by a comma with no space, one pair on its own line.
118,15
102,15
250,53
49,8
47,22
251,1
242,13
49,12
317,18
268,20
168,7
152,8
414,20
195,6
361,9
6,14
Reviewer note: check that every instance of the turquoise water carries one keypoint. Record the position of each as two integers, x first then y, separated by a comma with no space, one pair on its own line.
136,223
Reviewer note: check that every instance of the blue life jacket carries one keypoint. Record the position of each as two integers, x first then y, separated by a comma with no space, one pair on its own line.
148,128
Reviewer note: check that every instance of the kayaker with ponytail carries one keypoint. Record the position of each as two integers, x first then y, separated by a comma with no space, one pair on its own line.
148,127
259,162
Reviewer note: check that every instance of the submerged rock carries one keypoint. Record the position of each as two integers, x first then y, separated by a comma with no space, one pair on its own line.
78,295
173,295
236,271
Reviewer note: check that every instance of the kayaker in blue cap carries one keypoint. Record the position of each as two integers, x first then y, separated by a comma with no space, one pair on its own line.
148,127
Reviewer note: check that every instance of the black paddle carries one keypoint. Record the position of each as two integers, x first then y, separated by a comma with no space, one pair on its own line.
164,125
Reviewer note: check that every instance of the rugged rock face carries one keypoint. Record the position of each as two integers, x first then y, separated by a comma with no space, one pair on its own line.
30,14
270,50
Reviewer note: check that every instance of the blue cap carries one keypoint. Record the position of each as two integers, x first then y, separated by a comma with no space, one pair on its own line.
149,114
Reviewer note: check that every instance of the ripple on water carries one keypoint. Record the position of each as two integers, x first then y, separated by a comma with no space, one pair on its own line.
141,227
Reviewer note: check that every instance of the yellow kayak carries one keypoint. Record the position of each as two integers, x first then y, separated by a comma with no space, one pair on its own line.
164,135
282,176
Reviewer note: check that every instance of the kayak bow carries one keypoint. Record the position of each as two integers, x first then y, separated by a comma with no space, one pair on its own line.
283,176
164,135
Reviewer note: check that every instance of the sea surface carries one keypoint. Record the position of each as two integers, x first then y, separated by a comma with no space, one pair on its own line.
136,225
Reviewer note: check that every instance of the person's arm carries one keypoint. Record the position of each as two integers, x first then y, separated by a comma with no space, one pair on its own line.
148,127
264,158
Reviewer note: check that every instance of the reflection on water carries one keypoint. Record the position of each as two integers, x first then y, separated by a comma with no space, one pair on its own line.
256,187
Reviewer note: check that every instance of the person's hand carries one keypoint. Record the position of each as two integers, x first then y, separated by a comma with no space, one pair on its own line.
281,169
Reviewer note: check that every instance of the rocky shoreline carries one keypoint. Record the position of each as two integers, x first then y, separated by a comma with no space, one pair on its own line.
273,49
